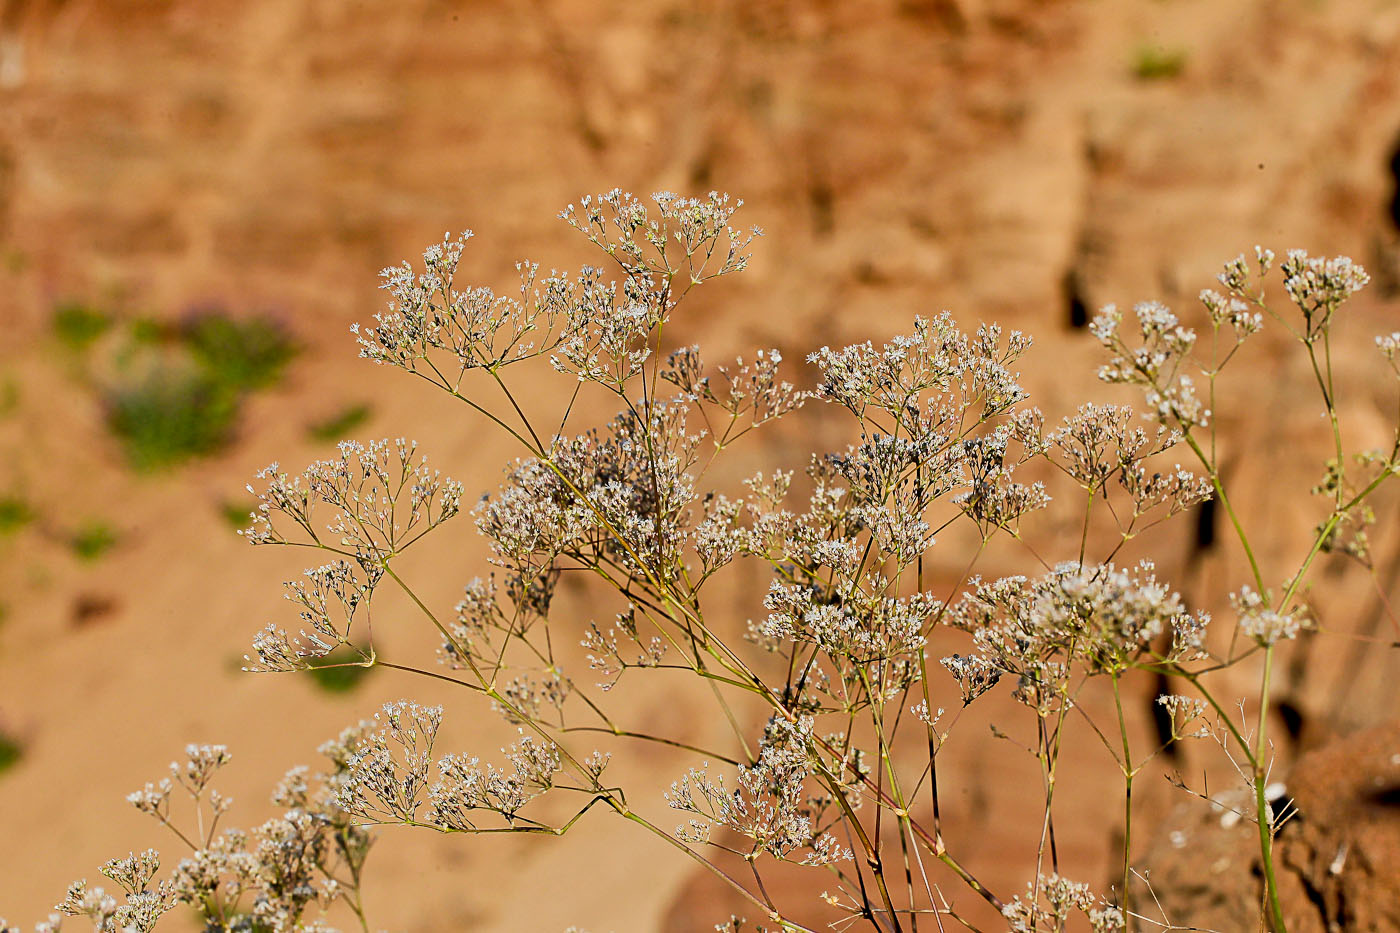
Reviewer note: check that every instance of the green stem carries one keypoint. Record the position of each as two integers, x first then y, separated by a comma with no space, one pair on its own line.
1224,501
1261,804
1128,774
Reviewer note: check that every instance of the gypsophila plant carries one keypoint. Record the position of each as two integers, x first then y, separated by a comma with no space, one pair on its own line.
840,775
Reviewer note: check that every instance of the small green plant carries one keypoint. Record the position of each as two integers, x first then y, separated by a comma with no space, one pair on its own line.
340,424
185,400
15,513
9,395
237,513
243,354
171,415
13,261
78,325
148,331
92,539
341,671
10,752
1155,62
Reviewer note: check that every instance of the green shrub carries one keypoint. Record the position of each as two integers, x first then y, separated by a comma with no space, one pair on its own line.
10,752
242,354
9,395
177,391
339,671
1154,62
171,415
92,539
15,513
78,326
148,330
339,425
13,261
238,513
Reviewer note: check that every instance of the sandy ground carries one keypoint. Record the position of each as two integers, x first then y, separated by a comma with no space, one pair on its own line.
272,155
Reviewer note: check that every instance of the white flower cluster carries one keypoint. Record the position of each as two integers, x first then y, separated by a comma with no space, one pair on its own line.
606,652
1052,900
687,236
1231,312
992,498
266,879
474,326
138,914
388,767
975,675
1264,623
1319,286
334,583
770,803
1183,712
937,358
1389,345
1098,616
1099,443
750,393
857,627
382,500
1155,364
467,788
386,773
